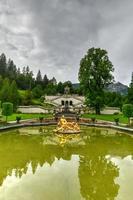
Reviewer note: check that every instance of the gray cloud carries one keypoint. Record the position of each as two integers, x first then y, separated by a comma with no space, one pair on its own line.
54,35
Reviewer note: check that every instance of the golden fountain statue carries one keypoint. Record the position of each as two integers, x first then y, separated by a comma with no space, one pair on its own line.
67,127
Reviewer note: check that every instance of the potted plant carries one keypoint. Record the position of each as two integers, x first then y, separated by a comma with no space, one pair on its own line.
41,119
116,121
18,118
93,119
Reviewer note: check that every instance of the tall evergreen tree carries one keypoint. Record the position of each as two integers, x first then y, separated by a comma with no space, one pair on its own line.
45,80
3,65
1,82
39,77
131,84
29,78
25,79
11,70
4,93
130,91
14,95
24,71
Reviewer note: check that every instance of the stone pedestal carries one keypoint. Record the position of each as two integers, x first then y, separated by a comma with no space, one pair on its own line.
131,121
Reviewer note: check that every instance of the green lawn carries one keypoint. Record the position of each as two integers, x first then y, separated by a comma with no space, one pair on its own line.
106,117
27,116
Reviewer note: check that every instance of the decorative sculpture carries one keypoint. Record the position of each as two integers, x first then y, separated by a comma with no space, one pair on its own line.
67,127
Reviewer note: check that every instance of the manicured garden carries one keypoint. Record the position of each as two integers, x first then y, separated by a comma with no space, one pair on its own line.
26,116
107,117
104,117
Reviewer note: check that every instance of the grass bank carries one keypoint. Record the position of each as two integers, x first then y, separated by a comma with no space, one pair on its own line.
27,116
107,117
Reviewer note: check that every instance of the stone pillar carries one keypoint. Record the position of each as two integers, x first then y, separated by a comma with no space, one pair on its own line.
131,121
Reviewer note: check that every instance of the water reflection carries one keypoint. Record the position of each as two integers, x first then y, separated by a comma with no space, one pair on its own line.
97,178
84,167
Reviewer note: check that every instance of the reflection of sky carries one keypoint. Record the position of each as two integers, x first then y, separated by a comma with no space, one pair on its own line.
59,180
125,179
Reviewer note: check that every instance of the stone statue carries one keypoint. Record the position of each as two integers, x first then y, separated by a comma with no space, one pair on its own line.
67,127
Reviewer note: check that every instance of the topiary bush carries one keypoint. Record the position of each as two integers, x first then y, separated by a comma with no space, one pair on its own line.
117,121
127,110
18,118
7,109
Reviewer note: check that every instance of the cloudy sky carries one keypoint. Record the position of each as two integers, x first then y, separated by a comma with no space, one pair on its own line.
53,35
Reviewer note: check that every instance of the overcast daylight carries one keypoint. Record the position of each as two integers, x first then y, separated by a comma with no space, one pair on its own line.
53,35
66,100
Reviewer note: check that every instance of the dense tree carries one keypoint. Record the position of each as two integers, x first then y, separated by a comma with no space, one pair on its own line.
45,80
25,79
127,110
11,70
37,91
3,65
39,77
14,95
29,78
130,91
94,75
1,82
28,98
68,84
79,90
4,93
60,88
113,99
50,89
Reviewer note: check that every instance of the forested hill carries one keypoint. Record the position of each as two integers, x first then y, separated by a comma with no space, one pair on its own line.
118,87
114,87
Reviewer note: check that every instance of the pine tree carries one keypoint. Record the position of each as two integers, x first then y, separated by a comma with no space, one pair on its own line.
45,80
130,91
131,84
11,70
27,70
39,77
1,82
24,71
4,93
3,64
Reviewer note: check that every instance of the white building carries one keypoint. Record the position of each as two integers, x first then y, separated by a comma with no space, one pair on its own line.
71,101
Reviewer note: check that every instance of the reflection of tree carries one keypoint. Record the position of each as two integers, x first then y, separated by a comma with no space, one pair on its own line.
17,151
97,177
96,173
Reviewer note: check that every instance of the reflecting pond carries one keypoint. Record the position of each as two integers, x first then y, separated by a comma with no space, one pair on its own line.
36,164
